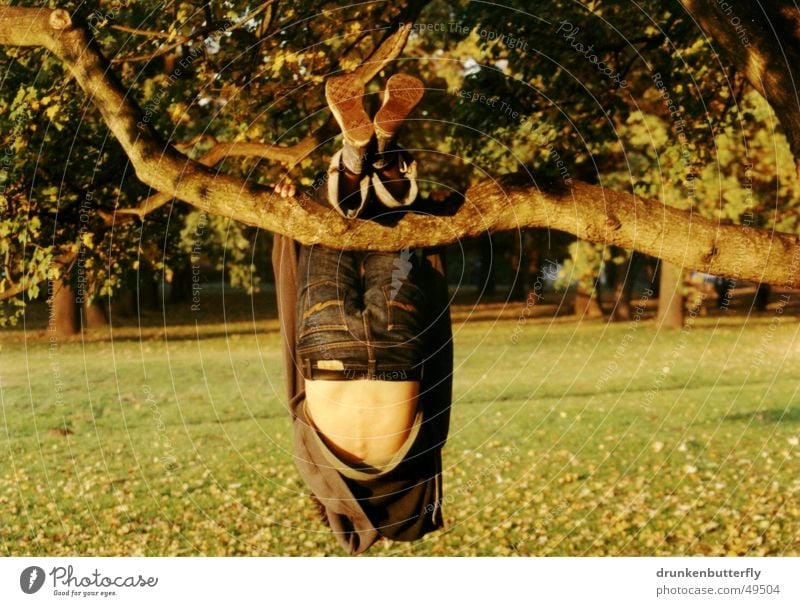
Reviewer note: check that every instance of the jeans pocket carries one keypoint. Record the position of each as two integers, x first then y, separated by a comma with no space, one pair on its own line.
323,308
405,305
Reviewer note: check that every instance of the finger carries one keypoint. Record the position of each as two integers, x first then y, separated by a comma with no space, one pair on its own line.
284,190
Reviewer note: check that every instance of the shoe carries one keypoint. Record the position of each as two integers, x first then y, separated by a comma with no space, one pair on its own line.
345,96
401,96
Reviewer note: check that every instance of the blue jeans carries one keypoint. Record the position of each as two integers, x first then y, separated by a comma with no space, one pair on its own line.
360,315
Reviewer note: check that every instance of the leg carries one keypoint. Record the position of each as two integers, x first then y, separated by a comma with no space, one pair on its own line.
348,191
394,171
330,332
397,312
394,180
348,186
388,169
395,184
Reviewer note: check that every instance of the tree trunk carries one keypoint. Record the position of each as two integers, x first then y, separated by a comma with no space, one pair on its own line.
536,277
94,314
181,290
587,304
148,294
762,297
521,266
671,299
651,271
63,319
487,283
724,288
621,279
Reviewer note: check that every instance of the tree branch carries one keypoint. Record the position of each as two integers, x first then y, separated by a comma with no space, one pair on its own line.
389,49
762,40
590,212
288,155
22,286
207,29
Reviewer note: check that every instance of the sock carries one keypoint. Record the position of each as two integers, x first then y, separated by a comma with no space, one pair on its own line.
353,158
386,153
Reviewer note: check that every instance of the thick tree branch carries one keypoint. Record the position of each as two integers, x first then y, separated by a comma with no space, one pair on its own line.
588,211
762,40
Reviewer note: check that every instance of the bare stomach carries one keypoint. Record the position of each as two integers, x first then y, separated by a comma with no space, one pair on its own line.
363,420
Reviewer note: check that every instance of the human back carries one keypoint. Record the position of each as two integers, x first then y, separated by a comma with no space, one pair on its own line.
363,421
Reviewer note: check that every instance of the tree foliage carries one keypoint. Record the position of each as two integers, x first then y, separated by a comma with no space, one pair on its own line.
634,97
234,72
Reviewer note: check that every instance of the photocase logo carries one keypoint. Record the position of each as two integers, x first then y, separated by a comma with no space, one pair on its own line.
31,579
402,267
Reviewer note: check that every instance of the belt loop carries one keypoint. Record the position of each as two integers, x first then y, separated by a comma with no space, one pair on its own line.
307,363
372,368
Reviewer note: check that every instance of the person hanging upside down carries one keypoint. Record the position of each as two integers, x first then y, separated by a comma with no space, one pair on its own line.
368,341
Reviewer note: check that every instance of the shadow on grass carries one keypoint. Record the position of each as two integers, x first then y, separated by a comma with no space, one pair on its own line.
768,415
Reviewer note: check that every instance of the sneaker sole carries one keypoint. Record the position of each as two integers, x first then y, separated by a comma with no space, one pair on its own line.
403,93
345,97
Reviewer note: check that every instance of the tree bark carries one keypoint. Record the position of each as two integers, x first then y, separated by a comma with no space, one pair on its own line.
761,299
94,314
488,253
181,285
521,266
148,292
507,203
670,299
63,318
621,279
586,304
762,40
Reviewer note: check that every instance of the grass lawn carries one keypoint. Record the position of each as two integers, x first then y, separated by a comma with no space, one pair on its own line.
566,439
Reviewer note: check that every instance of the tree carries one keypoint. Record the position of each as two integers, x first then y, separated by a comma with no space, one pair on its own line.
77,213
569,195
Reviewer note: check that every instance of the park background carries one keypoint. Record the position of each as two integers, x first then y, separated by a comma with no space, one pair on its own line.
605,402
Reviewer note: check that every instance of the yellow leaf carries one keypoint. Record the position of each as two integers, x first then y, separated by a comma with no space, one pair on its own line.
52,111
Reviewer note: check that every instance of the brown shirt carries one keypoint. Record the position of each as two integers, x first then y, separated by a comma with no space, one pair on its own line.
405,503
